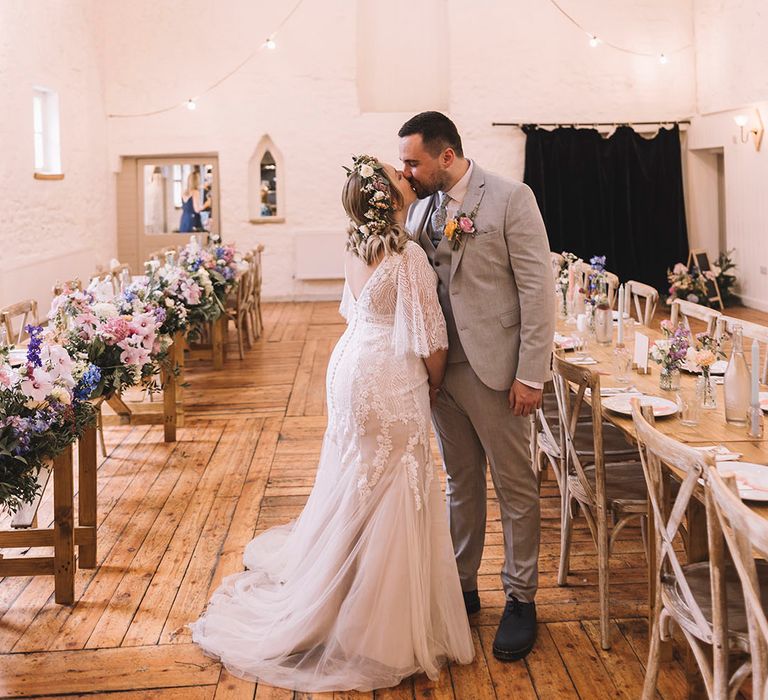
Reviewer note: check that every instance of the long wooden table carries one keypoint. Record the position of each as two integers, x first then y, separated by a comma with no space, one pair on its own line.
711,430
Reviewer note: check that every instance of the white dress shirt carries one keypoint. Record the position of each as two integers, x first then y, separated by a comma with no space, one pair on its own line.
455,199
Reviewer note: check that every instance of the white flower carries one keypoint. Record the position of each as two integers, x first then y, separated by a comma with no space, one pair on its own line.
104,310
366,170
61,395
38,386
364,230
378,194
169,302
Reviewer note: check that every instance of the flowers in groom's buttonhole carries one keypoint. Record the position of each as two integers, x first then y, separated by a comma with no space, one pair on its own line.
461,225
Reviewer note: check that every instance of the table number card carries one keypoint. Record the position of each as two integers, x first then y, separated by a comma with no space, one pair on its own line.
640,359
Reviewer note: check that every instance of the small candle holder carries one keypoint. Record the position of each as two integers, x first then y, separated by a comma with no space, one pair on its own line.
622,360
755,422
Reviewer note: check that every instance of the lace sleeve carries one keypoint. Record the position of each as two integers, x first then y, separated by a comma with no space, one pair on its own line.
419,321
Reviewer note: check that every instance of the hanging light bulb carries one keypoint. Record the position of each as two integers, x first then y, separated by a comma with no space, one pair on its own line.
270,43
593,41
191,104
663,58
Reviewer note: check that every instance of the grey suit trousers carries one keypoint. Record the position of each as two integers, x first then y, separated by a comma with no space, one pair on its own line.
473,421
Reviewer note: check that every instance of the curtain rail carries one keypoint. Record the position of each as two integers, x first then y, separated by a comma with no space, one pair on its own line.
597,124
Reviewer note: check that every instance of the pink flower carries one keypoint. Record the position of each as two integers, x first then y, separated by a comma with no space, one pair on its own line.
466,224
38,384
8,377
191,292
117,330
680,269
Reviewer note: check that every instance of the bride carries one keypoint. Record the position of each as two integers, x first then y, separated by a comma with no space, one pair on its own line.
361,590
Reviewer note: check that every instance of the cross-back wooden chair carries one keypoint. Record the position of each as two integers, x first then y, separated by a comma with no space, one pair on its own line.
644,299
237,309
609,489
557,262
118,273
746,536
21,313
751,330
255,260
701,598
682,311
72,285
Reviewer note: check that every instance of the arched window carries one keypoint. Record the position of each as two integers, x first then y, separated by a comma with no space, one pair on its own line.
265,184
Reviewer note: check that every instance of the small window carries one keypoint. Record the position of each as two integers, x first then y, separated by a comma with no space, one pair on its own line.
45,126
265,184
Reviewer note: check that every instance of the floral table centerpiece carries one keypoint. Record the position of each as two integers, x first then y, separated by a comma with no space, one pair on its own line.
670,353
43,410
705,353
121,339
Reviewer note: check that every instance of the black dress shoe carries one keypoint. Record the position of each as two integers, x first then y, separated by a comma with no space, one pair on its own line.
517,631
471,601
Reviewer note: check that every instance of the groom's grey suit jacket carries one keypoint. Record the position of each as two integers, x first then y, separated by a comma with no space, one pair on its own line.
500,286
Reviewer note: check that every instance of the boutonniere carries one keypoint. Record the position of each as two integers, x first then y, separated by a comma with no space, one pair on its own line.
461,225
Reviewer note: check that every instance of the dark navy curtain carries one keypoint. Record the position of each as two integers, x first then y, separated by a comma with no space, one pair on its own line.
621,197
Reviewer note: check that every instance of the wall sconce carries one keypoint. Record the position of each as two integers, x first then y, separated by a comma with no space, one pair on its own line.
757,132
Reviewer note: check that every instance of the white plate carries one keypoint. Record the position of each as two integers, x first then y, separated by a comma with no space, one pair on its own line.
751,479
764,400
717,368
621,404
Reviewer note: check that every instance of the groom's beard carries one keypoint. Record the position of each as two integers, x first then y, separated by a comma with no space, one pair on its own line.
421,191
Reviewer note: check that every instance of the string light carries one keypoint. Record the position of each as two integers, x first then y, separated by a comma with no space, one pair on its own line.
191,103
594,41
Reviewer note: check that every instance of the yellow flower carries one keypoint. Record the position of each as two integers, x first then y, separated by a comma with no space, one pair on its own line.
450,229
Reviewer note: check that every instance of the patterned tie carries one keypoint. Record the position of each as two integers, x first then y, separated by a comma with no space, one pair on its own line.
438,219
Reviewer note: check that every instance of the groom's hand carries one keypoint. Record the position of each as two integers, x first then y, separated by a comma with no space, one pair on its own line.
523,399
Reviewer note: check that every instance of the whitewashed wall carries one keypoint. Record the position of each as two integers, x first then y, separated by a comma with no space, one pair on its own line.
52,229
732,78
505,61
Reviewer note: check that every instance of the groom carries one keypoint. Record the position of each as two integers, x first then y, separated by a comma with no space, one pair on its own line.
486,241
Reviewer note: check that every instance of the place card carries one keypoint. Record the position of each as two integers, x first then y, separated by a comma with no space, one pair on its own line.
640,358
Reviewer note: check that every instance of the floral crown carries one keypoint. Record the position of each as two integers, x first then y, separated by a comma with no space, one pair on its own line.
376,185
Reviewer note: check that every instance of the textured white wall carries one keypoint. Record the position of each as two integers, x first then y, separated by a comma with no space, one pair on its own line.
514,60
52,229
731,61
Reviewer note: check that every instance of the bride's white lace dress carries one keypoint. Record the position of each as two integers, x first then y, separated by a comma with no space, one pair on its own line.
361,590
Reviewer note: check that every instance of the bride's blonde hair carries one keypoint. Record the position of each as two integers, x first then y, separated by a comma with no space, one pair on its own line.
371,199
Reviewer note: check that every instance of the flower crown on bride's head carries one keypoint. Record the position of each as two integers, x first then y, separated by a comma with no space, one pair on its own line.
376,185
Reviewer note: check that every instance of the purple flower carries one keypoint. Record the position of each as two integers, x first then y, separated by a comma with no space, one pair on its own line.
35,342
598,262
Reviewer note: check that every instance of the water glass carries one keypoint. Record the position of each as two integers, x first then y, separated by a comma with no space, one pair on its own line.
622,362
689,402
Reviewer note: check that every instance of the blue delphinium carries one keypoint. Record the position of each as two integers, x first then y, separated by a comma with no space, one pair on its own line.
88,382
35,342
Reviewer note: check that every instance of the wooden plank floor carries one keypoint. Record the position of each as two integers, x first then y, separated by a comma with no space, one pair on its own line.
174,519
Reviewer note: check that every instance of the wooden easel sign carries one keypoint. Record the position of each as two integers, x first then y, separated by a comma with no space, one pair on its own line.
698,258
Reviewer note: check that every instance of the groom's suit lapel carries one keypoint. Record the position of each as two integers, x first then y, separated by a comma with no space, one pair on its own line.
471,199
421,217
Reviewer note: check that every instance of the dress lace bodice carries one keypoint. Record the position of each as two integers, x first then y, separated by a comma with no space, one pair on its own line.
402,293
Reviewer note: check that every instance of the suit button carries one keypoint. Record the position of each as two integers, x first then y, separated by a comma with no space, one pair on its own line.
437,263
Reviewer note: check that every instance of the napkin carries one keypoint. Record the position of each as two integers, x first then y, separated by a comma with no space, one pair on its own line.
722,453
584,361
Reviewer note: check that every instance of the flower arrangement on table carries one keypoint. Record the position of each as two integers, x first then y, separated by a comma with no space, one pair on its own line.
670,353
43,410
691,284
703,353
219,260
597,282
563,279
123,340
